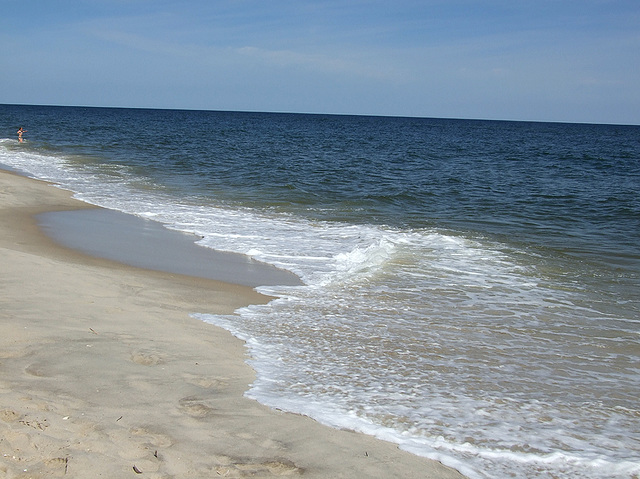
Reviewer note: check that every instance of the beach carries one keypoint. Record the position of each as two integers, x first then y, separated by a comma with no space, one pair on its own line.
104,373
465,290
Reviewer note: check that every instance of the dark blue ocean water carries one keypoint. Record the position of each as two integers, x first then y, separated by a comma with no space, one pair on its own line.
472,288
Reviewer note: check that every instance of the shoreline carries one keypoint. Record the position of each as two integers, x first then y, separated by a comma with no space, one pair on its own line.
147,244
103,373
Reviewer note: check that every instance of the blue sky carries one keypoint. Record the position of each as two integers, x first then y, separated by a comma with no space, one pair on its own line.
545,60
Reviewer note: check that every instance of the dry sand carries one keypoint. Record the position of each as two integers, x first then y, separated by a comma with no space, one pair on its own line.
103,373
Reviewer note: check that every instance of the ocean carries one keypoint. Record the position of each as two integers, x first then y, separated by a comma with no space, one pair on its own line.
471,288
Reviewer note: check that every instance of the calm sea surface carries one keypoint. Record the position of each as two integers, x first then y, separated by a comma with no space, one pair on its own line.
471,288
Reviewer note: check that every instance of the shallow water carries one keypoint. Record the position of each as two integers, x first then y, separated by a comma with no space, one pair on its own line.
148,244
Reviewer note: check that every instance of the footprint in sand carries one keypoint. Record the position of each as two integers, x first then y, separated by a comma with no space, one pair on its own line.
194,408
152,437
146,358
38,369
206,383
57,467
247,468
8,415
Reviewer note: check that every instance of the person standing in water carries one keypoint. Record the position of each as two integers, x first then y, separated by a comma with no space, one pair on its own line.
20,132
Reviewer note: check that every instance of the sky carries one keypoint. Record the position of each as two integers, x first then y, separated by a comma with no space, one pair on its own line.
539,60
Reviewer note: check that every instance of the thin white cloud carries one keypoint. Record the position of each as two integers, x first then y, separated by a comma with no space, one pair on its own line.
325,63
356,64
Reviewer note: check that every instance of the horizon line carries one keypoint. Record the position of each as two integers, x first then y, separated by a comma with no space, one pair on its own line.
372,115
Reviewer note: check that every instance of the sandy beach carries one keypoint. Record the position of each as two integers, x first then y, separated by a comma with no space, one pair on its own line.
103,373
